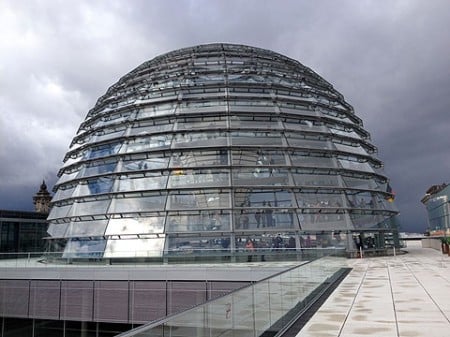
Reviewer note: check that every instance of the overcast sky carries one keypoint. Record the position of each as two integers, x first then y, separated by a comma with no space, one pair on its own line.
390,59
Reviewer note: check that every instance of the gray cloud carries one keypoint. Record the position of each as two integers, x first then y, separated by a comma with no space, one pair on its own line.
388,58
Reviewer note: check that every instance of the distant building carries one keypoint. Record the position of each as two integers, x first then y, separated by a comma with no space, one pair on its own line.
436,201
23,231
42,199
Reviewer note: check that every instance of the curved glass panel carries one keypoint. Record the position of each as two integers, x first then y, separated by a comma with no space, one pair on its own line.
138,225
138,204
86,228
202,221
134,248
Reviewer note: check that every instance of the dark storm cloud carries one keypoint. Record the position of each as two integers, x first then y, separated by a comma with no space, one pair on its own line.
388,58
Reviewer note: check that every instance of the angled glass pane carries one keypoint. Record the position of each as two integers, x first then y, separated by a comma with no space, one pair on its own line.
197,158
357,166
90,207
256,138
134,248
198,178
305,159
303,178
132,204
141,182
87,228
145,162
195,221
136,225
198,199
57,229
89,248
194,244
102,151
59,211
97,168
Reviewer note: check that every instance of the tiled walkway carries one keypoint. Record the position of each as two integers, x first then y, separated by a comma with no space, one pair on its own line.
407,295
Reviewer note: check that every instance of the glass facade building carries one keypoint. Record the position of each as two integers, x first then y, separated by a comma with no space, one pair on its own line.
203,147
436,201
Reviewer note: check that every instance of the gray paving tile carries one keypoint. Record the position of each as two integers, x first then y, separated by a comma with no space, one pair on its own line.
403,296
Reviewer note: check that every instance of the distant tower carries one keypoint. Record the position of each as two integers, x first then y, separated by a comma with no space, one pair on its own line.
42,199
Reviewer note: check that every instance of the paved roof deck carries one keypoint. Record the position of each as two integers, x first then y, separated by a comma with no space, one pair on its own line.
407,295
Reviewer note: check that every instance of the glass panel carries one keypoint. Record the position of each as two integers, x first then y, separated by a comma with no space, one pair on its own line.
102,151
90,207
347,132
156,110
134,248
360,183
57,230
243,105
326,220
99,168
199,158
198,199
358,166
255,122
138,204
305,159
206,122
263,198
151,127
84,248
116,118
319,200
366,220
198,221
67,177
256,138
143,163
304,179
138,225
73,159
59,211
258,158
199,245
260,176
265,217
64,193
352,149
243,320
296,109
198,178
95,186
87,228
106,134
149,143
200,139
296,140
215,105
304,125
361,200
151,181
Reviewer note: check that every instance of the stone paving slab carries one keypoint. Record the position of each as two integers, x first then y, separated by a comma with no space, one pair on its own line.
407,295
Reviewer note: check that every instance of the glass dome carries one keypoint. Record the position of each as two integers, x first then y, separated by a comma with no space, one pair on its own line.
203,147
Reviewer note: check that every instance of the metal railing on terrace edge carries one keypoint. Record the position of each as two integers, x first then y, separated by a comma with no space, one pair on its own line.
137,258
265,308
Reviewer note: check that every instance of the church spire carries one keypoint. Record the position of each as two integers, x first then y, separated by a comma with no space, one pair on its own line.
41,199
